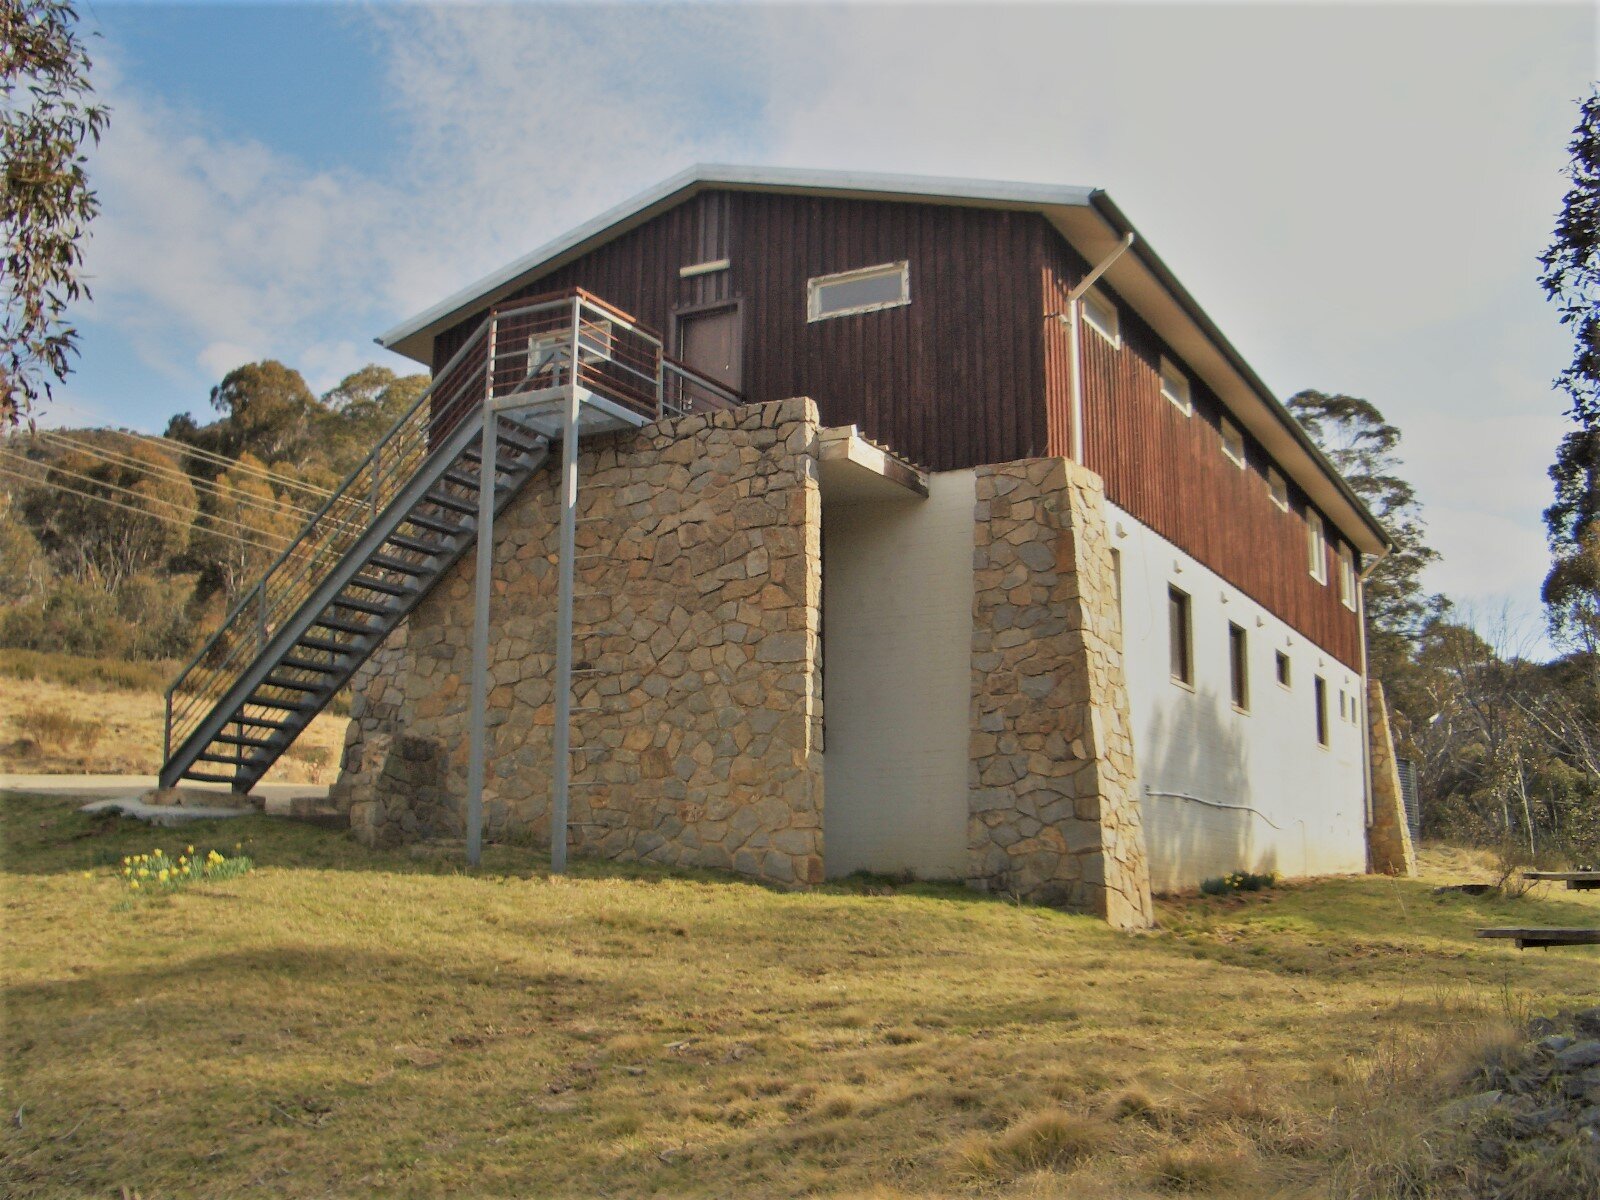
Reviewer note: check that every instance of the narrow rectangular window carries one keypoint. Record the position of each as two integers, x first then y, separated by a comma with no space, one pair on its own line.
1282,661
1239,666
1278,488
1319,688
869,289
1100,315
1233,442
1180,637
1317,545
1175,386
1347,577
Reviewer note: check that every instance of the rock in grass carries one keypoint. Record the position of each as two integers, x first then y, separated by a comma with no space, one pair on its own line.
1555,1043
1588,1021
1470,1106
1576,1058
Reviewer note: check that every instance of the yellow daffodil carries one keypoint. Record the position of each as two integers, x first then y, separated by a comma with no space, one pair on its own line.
189,850
134,885
88,874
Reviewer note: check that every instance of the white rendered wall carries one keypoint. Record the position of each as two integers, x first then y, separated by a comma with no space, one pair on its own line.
896,678
1302,808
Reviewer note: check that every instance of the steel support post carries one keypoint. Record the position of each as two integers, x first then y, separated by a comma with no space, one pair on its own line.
561,783
482,583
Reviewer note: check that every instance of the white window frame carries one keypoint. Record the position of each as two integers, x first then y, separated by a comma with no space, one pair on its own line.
1232,436
1278,488
816,284
1175,387
1106,322
1317,545
1347,577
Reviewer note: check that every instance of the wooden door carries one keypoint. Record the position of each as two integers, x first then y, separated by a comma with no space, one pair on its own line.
711,342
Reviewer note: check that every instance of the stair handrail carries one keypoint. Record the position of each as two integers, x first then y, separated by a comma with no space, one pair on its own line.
321,534
373,460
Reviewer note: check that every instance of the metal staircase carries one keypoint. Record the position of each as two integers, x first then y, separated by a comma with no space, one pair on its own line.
405,515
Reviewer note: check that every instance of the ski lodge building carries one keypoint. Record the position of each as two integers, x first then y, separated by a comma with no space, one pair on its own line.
840,522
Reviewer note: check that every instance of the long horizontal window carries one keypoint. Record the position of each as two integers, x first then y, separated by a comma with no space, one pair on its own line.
869,289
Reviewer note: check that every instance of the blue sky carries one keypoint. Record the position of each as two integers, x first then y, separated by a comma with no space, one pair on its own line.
1356,193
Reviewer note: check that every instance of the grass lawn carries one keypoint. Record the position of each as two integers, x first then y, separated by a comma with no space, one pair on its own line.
61,719
346,1022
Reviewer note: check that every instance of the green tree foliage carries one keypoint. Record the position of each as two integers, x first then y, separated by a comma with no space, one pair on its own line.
242,528
108,520
361,410
268,412
46,203
1365,448
1571,276
26,574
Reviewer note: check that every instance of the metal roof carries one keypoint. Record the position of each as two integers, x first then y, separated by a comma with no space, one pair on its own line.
1086,217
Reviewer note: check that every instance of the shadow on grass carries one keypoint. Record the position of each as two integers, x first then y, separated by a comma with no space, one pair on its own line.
46,835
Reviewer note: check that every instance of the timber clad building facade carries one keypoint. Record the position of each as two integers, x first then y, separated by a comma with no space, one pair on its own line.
1037,588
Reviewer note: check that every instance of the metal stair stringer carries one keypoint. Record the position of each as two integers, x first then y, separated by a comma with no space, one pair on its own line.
251,756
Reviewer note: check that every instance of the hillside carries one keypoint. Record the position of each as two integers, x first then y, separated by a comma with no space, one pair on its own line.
343,1022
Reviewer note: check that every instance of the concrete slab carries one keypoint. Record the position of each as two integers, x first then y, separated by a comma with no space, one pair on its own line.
165,815
132,785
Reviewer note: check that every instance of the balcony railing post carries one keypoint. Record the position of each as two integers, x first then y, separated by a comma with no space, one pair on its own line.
166,734
488,362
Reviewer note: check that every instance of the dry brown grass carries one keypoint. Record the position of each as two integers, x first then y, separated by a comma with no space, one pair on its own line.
344,1022
116,730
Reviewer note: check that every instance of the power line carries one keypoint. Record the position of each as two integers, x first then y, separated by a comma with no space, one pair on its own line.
249,530
173,472
231,464
5,470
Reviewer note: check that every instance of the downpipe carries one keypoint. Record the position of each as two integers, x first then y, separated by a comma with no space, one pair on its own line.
1075,337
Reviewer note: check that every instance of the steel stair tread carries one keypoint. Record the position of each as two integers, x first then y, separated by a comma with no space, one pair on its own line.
400,566
332,647
295,685
235,740
366,606
407,542
458,504
427,522
232,759
207,777
381,585
295,662
347,626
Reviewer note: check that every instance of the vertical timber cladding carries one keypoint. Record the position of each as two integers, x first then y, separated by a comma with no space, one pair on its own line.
952,380
1169,471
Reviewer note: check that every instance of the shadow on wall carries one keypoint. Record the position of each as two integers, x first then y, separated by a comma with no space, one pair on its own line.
1190,750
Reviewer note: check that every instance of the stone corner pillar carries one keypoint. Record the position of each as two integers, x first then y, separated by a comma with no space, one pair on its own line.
1053,812
1389,848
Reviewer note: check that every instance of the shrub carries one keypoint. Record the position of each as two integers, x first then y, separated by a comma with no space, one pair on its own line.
59,728
79,672
1238,881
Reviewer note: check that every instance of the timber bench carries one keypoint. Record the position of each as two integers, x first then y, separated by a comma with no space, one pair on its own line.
1545,938
1576,881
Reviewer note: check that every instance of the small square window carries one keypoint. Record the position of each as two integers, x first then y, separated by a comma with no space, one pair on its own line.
1180,637
1347,577
1281,662
1100,315
869,289
1233,442
1319,688
1175,386
1278,488
1317,545
1239,666
1116,578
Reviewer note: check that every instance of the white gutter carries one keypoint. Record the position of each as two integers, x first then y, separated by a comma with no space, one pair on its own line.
1073,320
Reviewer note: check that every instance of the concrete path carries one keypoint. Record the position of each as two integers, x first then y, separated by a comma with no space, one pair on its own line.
137,785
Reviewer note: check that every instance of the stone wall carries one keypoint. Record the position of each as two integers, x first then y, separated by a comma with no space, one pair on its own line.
1053,814
376,694
1389,848
697,690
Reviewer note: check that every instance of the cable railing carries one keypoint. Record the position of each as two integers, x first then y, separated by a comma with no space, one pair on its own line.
523,348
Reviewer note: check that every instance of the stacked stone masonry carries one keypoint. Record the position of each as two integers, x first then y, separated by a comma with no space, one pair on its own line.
1053,812
1389,848
697,690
